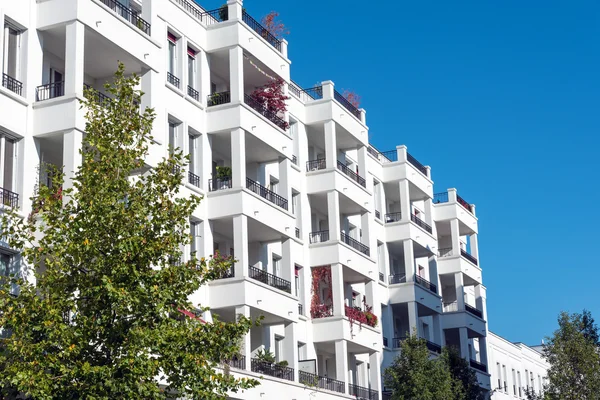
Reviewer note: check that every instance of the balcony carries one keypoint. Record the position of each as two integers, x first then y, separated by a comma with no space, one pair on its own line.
318,237
347,105
474,311
300,309
321,382
392,217
315,165
351,174
228,273
219,184
219,98
355,244
9,198
266,194
421,223
413,161
238,362
396,278
50,91
425,284
261,30
297,232
270,279
360,316
131,16
265,112
193,93
193,179
173,80
478,366
272,369
12,84
95,95
362,393
433,347
442,197
469,257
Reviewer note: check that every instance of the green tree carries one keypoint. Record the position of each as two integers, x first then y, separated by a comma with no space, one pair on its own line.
464,377
110,317
415,376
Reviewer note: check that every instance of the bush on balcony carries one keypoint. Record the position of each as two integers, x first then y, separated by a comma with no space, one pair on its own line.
318,308
356,314
272,98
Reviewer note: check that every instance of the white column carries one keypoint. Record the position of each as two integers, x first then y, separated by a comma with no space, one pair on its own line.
3,39
438,331
372,298
285,187
74,58
204,80
72,143
290,347
205,160
464,343
460,291
365,226
337,289
206,239
333,210
455,237
413,319
483,353
429,216
362,167
287,263
375,372
402,153
387,322
409,260
341,363
234,9
404,199
151,86
150,17
246,349
480,299
236,74
240,245
238,158
474,246
330,144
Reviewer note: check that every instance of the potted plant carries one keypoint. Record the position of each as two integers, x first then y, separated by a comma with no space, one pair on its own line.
223,12
223,177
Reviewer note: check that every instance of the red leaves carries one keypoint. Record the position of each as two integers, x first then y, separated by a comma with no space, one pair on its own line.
274,26
271,96
352,97
318,308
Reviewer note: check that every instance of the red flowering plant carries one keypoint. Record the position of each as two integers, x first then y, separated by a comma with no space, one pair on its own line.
272,98
352,97
274,26
366,316
321,308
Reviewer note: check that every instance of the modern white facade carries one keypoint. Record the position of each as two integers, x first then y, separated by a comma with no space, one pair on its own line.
313,195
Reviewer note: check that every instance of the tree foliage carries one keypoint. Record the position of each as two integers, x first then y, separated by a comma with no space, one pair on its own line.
109,316
463,375
274,26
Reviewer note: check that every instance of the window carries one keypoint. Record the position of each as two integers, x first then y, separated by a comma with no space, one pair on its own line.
519,382
499,376
191,67
532,381
8,159
504,381
514,382
301,351
273,184
278,348
12,51
5,265
174,141
276,265
526,381
194,234
539,384
295,202
297,279
194,154
172,63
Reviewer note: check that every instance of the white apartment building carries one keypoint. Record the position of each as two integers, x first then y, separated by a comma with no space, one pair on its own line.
298,198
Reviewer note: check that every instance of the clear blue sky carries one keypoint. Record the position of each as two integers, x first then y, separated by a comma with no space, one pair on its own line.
502,99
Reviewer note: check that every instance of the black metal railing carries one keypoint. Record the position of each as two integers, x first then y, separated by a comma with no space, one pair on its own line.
219,184
321,382
298,233
315,165
468,256
12,84
421,223
294,89
9,198
382,277
272,369
351,174
191,8
97,96
261,30
478,366
193,93
396,278
173,80
385,342
270,279
237,362
131,16
265,112
266,194
445,252
390,155
440,198
392,217
216,99
193,179
426,284
227,273
473,310
315,93
433,347
215,16
355,244
397,342
347,105
374,152
463,203
294,160
318,237
416,164
377,214
50,91
300,309
362,393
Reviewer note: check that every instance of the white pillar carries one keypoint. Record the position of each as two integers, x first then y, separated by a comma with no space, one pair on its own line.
372,298
455,237
387,324
74,58
483,353
287,263
413,319
438,331
236,74
341,363
337,289
150,17
240,245
362,167
429,216
72,143
3,39
474,246
205,160
151,83
409,260
333,210
234,9
246,349
404,199
460,291
206,239
290,347
238,158
464,343
402,153
204,82
375,372
285,185
330,144
365,226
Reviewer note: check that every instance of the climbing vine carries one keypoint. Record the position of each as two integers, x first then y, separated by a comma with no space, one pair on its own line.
318,306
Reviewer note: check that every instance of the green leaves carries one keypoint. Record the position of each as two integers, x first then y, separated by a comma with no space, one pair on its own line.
99,323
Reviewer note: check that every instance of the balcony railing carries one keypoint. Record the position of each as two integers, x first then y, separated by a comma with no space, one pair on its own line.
362,393
131,16
426,284
270,279
215,16
433,347
390,156
315,93
191,8
97,96
50,91
219,184
450,307
377,214
294,160
385,342
9,198
261,30
397,278
347,105
321,382
227,273
216,99
416,164
355,244
353,175
193,93
297,233
440,198
266,194
315,165
237,362
300,309
265,112
173,80
271,369
294,89
318,237
445,252
12,84
463,203
392,217
421,223
382,277
397,342
468,256
478,366
193,179
473,310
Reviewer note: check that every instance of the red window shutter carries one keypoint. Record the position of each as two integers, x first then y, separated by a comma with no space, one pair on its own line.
171,37
191,52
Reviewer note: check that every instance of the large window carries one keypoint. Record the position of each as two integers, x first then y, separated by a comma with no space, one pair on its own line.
194,153
172,65
8,155
11,50
191,68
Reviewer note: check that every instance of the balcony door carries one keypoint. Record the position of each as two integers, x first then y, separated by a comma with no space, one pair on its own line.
56,88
